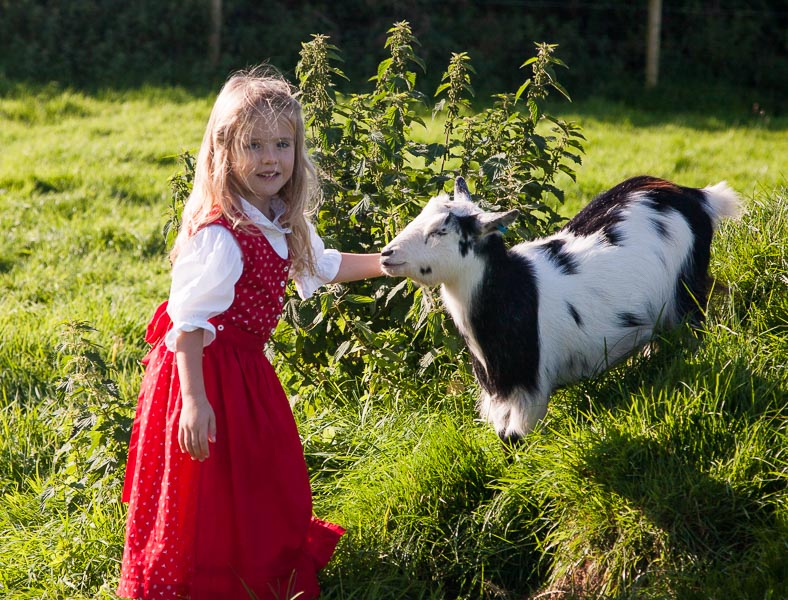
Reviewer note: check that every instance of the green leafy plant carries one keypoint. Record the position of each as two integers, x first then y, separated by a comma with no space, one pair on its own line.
377,174
180,188
92,419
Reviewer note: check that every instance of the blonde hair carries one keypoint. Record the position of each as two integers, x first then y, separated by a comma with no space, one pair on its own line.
246,97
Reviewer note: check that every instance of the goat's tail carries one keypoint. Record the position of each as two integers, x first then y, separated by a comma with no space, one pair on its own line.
722,202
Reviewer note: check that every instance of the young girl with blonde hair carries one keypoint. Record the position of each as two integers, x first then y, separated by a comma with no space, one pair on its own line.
219,500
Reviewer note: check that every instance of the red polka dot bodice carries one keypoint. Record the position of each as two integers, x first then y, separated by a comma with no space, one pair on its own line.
260,291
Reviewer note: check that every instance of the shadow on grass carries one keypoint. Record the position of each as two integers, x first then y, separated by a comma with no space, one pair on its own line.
642,115
705,107
703,516
694,442
434,520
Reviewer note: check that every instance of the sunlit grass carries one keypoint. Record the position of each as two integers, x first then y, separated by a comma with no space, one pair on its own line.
692,150
664,478
696,150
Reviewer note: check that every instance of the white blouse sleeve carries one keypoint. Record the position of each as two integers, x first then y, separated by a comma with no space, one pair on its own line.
328,261
203,282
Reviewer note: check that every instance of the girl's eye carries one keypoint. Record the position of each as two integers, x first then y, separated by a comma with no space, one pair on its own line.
255,145
283,144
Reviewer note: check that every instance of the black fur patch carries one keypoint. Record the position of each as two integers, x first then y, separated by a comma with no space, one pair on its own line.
575,315
605,212
504,319
612,234
563,260
468,228
629,319
692,284
425,270
661,228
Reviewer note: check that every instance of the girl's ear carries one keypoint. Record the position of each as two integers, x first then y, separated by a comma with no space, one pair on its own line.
492,222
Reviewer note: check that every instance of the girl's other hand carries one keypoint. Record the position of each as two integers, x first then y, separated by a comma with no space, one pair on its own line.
197,427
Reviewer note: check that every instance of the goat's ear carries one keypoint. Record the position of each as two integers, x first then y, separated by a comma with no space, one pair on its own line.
492,222
461,191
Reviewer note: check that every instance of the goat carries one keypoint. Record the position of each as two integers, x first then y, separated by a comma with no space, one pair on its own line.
551,311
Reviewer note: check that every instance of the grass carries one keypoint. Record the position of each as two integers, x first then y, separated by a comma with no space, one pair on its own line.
689,148
667,477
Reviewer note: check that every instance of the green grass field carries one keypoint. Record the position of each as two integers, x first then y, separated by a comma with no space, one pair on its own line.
666,478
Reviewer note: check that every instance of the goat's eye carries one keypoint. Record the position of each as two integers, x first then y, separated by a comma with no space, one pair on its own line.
441,231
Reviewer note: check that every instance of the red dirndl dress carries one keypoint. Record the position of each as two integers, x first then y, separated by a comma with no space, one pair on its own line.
239,524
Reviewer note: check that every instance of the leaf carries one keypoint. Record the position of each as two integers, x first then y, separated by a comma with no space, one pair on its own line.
569,171
419,62
396,290
442,87
342,350
561,89
358,299
494,165
383,68
558,61
360,206
522,89
427,359
533,109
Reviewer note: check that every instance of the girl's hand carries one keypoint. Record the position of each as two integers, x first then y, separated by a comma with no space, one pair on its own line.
197,424
197,427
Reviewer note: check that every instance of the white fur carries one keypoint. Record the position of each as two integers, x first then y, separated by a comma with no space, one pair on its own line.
724,202
635,276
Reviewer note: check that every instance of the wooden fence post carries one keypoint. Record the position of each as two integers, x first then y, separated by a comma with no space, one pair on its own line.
652,42
215,35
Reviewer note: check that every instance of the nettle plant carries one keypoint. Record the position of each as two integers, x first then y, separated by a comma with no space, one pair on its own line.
92,419
376,175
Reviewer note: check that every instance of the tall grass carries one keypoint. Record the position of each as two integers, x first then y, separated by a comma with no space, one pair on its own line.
664,478
747,149
667,477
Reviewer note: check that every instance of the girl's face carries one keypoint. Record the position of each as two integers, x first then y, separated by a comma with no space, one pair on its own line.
264,163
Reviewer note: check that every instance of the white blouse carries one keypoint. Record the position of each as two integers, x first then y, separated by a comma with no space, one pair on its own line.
210,263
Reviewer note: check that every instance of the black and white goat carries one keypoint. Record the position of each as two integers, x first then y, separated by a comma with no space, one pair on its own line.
548,312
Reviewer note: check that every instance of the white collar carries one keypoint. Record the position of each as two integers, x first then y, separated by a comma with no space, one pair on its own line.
262,221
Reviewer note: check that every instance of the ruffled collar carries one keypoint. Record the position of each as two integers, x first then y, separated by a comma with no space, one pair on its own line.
262,221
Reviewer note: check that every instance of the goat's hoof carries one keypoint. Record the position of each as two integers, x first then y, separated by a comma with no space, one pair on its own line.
511,443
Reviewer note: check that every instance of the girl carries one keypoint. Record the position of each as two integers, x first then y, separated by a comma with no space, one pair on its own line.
219,500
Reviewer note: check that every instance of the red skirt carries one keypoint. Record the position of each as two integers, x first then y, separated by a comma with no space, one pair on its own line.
239,523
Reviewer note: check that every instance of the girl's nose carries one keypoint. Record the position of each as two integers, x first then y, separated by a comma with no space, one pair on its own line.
268,155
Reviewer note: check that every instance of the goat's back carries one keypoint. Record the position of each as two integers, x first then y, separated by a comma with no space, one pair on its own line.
634,260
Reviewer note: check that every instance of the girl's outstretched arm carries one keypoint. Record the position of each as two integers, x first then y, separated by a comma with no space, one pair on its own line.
358,266
197,425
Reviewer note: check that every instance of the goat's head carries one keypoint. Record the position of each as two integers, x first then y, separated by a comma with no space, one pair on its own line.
435,246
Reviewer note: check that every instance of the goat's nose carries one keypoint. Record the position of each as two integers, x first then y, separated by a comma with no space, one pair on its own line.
387,252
